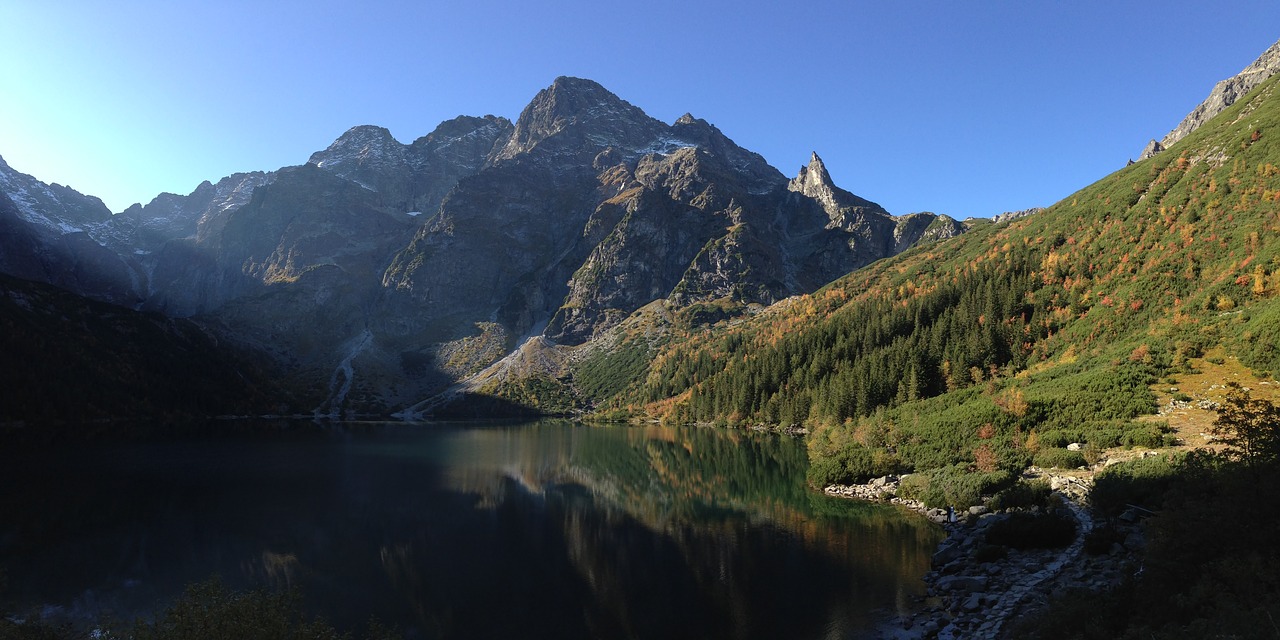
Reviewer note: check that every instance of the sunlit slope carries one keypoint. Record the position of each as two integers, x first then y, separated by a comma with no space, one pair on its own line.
1056,323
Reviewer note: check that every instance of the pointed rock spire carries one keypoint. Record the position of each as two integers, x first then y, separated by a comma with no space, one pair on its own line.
814,181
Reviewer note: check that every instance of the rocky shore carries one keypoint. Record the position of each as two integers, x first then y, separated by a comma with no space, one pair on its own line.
978,590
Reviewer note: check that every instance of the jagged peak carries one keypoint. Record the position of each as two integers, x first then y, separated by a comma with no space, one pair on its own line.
571,83
687,119
461,126
573,97
360,144
814,181
366,133
570,102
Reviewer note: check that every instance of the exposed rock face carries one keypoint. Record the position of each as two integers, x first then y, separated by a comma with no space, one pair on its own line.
1010,216
814,182
1153,147
363,267
1224,94
47,235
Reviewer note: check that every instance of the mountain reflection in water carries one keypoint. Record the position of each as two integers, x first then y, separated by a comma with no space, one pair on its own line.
544,529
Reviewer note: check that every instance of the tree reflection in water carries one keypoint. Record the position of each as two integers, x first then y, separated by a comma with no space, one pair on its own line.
545,529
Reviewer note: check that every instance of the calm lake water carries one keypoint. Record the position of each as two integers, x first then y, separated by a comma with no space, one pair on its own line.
541,529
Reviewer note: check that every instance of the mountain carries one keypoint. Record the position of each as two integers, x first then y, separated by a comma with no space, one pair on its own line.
47,235
378,273
1056,324
1224,94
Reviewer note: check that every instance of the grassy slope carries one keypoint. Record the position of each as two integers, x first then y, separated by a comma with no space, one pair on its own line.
1056,324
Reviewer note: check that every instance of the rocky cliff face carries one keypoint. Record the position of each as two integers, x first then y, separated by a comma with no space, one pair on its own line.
1224,94
378,272
48,233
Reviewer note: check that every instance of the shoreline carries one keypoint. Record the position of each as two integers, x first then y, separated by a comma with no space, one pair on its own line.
979,590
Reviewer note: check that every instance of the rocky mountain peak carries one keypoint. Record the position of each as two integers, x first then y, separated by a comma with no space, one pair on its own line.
461,126
359,145
1224,94
686,119
599,117
54,208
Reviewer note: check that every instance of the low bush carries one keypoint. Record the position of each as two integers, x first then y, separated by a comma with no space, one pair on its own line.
851,464
1099,541
1033,531
1143,482
1060,458
1023,495
1145,436
954,486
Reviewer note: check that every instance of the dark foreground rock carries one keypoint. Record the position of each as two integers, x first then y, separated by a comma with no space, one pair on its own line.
978,590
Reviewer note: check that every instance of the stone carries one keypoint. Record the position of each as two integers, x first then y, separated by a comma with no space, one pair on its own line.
962,583
1135,541
973,602
978,510
1010,216
1075,446
946,555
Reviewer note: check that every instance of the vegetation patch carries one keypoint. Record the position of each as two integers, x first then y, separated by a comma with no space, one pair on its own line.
1033,531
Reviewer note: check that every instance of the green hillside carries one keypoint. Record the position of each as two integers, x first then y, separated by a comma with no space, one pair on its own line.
1001,346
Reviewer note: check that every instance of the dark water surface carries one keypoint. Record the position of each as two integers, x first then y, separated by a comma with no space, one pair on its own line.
542,529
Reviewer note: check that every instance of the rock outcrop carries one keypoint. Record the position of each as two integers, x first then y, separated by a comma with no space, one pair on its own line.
1010,216
1224,94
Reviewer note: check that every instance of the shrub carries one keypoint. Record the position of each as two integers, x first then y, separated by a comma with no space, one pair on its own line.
990,553
1060,458
209,610
954,486
1148,436
1099,541
851,464
1023,495
1141,482
1033,531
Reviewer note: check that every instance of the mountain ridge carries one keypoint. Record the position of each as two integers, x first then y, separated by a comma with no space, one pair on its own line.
559,224
1224,94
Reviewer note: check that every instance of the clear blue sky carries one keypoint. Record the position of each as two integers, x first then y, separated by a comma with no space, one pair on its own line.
964,108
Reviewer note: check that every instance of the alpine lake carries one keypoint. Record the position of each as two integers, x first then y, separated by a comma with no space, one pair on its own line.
544,529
